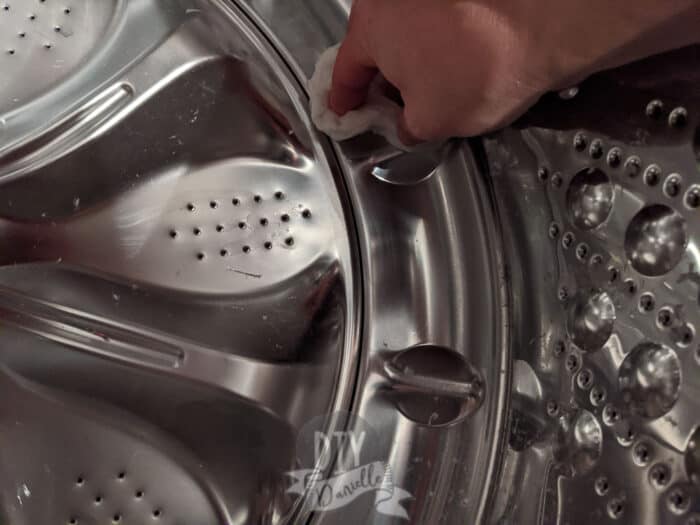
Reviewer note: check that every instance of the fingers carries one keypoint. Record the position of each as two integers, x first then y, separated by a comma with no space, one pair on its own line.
405,134
424,121
353,73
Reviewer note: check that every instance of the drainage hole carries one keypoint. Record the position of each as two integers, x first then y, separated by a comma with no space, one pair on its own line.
306,213
80,480
241,225
197,231
559,348
686,335
157,513
116,518
289,241
263,222
610,415
563,293
138,494
673,186
659,474
678,118
641,453
98,499
615,508
121,475
285,218
692,198
223,253
678,500
557,181
257,199
220,228
190,206
602,486
554,230
614,157
568,240
279,195
646,302
73,521
268,245
582,251
571,362
235,201
652,175
665,318
246,249
173,234
213,205
596,150
200,256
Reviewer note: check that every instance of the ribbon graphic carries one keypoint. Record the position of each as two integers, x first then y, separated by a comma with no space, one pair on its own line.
342,489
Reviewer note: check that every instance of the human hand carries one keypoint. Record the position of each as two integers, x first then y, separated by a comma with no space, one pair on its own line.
464,67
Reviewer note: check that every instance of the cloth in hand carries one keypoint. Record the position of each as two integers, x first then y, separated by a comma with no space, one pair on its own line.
379,114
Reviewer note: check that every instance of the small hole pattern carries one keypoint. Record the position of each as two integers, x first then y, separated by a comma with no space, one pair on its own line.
113,499
25,26
239,225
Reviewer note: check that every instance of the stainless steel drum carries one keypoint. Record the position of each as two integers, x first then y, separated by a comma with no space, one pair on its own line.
210,314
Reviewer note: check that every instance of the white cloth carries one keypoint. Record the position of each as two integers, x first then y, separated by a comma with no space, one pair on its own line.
379,114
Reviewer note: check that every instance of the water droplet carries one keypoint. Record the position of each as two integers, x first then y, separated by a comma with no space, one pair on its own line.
655,240
650,379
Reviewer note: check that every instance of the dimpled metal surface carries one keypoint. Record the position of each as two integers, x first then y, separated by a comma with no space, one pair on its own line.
190,276
599,196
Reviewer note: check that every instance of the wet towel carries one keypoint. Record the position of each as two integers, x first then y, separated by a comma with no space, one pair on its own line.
379,114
